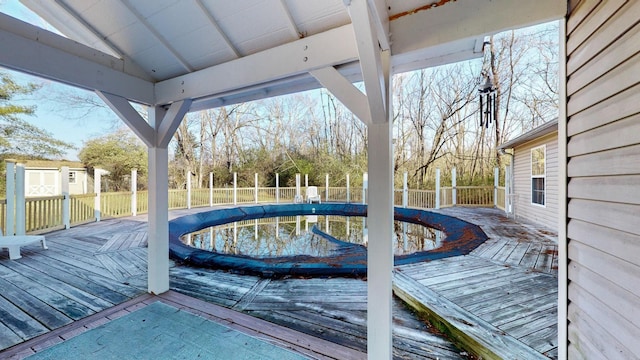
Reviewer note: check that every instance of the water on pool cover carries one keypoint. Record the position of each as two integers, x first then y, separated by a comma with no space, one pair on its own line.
293,235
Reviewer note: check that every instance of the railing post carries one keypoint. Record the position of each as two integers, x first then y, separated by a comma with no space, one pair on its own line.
21,221
11,197
97,181
134,192
297,198
210,189
326,187
306,181
189,189
454,191
255,191
235,188
348,190
277,188
405,190
496,174
66,200
437,188
365,185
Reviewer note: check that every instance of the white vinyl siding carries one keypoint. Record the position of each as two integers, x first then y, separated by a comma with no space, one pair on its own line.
603,150
525,208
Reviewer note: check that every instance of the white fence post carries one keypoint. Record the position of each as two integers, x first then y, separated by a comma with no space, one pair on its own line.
255,191
437,188
97,181
348,190
297,198
189,189
405,190
277,188
66,200
306,181
235,188
210,189
21,213
454,191
11,198
496,174
134,192
326,187
365,186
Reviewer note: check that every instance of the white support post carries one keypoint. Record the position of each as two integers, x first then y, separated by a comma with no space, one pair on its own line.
306,181
158,247
255,188
277,188
21,213
189,189
156,132
405,190
348,189
235,188
134,192
97,182
66,201
210,189
380,247
454,191
437,188
365,185
326,187
11,198
496,179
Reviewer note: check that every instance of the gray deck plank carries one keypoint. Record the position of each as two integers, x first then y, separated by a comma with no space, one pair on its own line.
38,309
18,321
79,295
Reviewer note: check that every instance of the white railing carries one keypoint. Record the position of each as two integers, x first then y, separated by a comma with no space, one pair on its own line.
47,213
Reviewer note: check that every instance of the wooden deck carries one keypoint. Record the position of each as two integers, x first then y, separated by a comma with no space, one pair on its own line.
501,298
95,267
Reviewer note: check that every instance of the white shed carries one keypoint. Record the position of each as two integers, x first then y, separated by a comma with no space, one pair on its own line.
43,177
534,187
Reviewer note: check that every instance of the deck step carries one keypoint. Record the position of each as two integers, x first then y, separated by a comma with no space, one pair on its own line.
466,330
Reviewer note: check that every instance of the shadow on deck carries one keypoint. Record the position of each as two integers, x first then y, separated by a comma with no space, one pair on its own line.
96,267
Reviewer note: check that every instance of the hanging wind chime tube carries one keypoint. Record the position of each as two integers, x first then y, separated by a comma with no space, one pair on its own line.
487,103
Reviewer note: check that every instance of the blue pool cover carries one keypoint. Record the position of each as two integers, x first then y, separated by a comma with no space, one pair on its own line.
350,260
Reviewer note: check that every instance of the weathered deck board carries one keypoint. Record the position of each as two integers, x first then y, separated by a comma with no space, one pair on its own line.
509,282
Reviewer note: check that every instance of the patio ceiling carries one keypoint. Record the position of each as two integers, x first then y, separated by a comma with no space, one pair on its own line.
221,52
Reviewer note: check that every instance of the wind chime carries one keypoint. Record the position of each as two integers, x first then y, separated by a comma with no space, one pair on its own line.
487,101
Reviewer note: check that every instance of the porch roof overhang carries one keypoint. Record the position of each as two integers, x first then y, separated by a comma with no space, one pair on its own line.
219,53
542,130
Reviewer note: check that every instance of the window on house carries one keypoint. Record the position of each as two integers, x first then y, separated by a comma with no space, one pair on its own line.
538,175
72,177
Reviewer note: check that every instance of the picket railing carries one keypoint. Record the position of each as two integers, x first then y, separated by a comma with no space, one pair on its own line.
45,213
82,208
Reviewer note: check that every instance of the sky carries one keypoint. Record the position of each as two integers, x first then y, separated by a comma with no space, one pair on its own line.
64,123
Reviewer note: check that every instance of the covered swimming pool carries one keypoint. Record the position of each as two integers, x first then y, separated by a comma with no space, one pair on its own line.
346,259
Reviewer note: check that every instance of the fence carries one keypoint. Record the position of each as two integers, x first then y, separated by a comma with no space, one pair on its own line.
47,213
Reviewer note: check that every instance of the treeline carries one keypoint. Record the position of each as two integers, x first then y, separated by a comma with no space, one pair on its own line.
436,123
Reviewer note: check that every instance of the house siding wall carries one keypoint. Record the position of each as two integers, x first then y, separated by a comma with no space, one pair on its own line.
603,150
545,215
